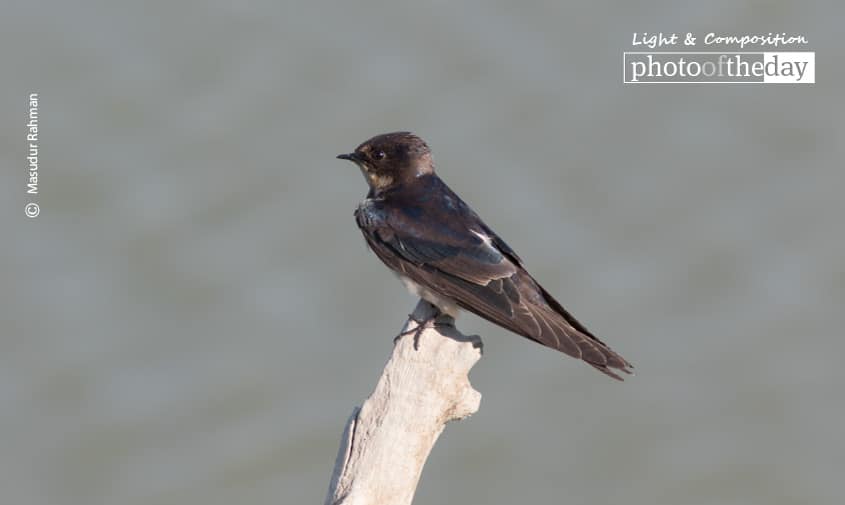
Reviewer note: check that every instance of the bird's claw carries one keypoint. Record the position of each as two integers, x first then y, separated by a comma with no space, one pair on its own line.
433,321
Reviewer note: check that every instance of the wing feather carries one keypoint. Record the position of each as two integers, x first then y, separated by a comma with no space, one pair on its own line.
474,267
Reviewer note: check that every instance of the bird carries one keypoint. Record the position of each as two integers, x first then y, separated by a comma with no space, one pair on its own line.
444,253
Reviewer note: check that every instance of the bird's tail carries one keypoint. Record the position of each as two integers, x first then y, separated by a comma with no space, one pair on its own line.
560,330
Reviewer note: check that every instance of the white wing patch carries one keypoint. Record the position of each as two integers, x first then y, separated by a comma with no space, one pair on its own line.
484,237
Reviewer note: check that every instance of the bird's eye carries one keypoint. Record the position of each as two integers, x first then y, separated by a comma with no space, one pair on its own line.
378,155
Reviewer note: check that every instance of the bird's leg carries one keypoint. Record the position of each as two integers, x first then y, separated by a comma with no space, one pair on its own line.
444,320
436,319
421,326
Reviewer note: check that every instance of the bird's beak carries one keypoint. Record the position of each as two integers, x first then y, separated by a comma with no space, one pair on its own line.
351,157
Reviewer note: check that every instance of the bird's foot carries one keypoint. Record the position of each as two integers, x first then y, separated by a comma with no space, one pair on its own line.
437,319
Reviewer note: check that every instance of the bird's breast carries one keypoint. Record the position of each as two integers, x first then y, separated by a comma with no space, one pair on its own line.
446,305
368,214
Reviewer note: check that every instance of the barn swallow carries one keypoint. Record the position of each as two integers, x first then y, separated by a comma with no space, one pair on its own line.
444,253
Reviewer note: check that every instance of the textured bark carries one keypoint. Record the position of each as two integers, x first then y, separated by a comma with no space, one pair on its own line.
388,439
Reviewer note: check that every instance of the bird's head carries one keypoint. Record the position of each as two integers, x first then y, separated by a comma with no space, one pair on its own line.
391,159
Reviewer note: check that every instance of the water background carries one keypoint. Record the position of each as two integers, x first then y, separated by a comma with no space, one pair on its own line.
193,315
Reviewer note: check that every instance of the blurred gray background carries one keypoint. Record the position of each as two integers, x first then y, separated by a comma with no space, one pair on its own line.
193,315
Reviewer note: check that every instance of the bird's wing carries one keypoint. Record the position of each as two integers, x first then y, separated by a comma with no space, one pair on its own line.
464,260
